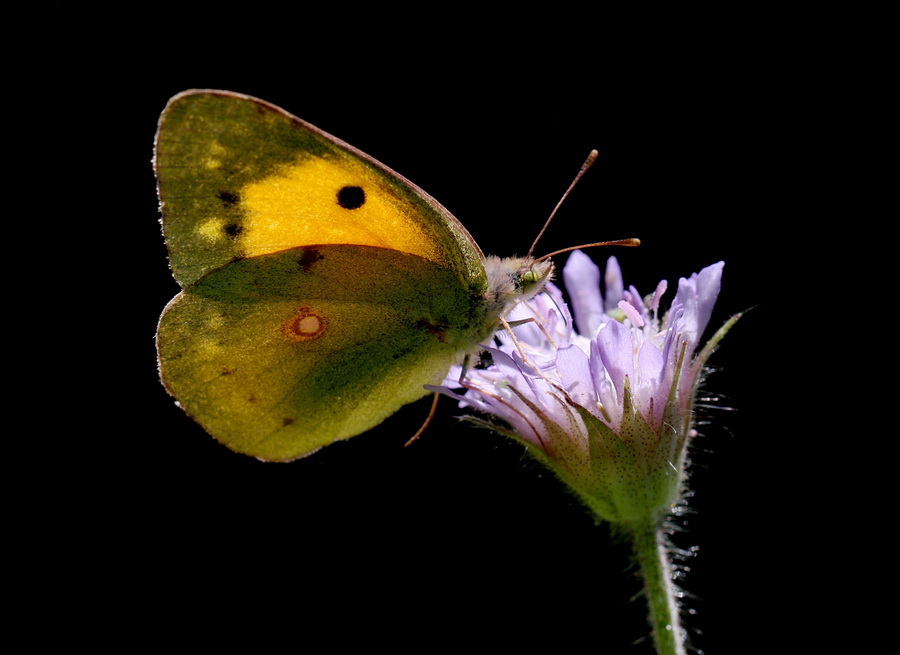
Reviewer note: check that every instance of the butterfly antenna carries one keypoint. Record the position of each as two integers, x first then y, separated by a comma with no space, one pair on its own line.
618,242
431,414
591,158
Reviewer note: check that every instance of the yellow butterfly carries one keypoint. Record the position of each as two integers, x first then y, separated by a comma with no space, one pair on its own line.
321,290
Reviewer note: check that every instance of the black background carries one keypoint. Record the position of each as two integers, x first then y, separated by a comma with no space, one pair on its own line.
707,139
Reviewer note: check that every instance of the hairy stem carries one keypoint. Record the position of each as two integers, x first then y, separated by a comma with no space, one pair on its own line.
650,549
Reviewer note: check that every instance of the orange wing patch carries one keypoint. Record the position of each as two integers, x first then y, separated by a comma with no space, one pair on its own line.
305,325
332,200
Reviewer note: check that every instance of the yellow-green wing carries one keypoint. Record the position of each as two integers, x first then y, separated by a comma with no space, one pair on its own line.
280,354
239,177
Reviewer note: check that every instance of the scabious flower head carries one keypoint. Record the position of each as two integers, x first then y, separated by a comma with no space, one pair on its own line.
608,406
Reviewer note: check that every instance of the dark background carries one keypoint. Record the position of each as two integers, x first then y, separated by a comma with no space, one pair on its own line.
706,139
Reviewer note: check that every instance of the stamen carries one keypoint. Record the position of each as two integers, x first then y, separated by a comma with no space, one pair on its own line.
657,295
632,314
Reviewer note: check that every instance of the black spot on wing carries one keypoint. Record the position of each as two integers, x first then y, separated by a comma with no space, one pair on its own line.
351,197
233,230
308,259
228,198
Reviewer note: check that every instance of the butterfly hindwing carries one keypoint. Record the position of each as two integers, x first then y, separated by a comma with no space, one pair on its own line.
281,354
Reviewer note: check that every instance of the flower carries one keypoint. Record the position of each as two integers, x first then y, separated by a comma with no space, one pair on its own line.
608,407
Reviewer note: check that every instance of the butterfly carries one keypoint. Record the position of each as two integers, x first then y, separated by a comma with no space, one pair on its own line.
321,291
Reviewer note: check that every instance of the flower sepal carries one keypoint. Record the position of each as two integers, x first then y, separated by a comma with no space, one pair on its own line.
634,474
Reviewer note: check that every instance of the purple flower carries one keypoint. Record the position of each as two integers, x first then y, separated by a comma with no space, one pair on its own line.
609,407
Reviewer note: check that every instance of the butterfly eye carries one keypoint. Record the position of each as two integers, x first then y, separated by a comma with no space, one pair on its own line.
529,277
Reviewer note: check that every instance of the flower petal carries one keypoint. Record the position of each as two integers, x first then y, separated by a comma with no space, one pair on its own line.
650,392
613,284
582,280
574,369
698,294
616,350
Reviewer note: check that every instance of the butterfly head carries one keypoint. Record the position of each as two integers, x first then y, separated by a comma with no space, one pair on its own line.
531,276
515,278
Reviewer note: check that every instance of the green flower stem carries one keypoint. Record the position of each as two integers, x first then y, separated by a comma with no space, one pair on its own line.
650,549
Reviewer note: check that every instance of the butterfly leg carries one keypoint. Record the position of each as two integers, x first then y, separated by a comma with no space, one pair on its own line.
508,327
465,370
511,324
430,416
